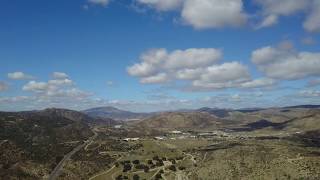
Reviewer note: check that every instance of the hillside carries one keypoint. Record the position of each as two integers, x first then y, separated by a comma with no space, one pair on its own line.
310,121
176,120
77,116
114,113
277,120
33,142
221,113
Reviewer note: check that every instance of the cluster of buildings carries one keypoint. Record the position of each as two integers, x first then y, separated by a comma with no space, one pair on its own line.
174,135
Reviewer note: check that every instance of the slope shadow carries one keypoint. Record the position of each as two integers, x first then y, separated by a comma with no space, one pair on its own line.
263,123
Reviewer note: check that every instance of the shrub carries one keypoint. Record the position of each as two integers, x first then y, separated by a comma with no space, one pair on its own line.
173,161
136,177
136,162
140,166
127,167
156,158
159,163
146,169
119,177
149,161
179,158
173,168
158,176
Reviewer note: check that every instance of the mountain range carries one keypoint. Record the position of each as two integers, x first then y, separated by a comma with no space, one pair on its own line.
115,113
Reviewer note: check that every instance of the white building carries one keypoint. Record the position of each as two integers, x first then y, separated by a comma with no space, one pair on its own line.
131,139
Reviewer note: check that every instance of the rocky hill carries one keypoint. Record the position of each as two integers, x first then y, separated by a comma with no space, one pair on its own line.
177,120
33,142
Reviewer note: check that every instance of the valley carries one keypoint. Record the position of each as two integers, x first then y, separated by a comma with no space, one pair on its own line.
277,143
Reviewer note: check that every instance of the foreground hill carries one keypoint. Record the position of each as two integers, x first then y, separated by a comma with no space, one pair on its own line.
114,113
32,143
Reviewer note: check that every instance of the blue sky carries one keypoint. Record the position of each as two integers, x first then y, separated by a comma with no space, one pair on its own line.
137,54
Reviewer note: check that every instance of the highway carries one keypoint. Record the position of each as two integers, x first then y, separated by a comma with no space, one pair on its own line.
58,169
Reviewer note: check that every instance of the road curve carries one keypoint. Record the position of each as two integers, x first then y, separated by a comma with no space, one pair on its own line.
58,169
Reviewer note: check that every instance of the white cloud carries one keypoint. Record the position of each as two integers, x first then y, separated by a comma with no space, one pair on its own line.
282,7
155,79
236,97
203,14
259,83
227,75
310,93
272,9
59,82
162,5
157,60
35,86
19,76
189,74
312,23
268,21
193,58
99,2
60,75
56,92
55,88
199,69
3,86
286,63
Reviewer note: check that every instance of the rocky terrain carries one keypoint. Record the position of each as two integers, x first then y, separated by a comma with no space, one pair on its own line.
33,142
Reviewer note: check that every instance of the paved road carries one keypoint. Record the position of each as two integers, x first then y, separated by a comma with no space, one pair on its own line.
58,169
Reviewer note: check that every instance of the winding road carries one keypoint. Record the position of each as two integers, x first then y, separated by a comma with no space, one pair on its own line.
58,169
